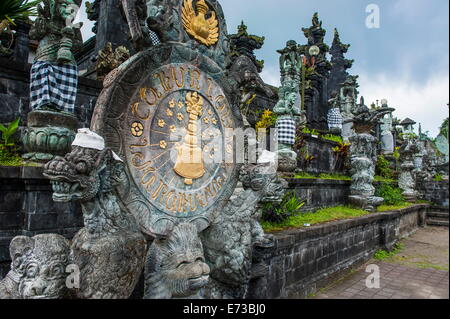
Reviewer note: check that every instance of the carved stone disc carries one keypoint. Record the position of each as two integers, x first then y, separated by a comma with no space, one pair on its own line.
165,112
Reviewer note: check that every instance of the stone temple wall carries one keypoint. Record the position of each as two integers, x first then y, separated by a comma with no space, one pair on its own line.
435,192
14,94
304,260
27,208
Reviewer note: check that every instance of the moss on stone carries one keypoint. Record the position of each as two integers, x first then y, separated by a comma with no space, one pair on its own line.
320,216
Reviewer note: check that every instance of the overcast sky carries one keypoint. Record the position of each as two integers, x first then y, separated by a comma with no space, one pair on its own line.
405,60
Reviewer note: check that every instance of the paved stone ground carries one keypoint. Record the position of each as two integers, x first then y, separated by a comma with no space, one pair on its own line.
419,271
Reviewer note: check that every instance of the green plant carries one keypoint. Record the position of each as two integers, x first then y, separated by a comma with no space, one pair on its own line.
341,152
306,130
384,254
396,154
383,167
9,155
319,216
268,119
438,178
289,206
385,208
391,195
8,132
11,10
333,138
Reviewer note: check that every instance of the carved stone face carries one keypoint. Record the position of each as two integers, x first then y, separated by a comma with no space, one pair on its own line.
156,13
75,176
41,262
177,264
67,9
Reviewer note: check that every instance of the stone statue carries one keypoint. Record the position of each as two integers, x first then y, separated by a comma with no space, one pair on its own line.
288,106
38,268
288,110
136,14
229,241
244,68
54,80
348,96
175,266
387,138
109,59
110,249
363,157
53,28
290,60
406,178
334,117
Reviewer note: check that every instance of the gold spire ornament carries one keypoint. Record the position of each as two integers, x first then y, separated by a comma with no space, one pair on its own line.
204,30
189,155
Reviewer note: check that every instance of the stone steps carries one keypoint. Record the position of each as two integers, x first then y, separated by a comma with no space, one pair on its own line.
439,216
435,222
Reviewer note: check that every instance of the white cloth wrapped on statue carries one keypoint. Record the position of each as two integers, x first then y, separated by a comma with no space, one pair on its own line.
53,84
334,118
286,131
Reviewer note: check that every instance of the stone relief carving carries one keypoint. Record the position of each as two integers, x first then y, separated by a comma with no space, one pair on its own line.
230,239
175,266
109,250
38,268
109,59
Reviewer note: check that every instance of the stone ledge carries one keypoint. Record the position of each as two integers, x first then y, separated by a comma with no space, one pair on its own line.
22,172
316,182
341,225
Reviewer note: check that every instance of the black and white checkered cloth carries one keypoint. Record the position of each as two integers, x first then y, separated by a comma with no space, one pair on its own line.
154,38
53,84
286,131
334,118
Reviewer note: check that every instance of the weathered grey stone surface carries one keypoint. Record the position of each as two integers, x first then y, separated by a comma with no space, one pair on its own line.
307,259
363,157
109,250
27,208
38,268
229,241
175,266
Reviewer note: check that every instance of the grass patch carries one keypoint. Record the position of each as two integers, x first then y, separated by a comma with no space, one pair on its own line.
385,208
333,138
384,254
14,160
337,177
320,216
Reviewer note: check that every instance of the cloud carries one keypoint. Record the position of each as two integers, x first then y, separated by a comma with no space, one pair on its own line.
271,75
425,103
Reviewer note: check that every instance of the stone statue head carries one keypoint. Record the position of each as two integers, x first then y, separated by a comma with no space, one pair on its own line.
83,173
40,263
176,265
261,178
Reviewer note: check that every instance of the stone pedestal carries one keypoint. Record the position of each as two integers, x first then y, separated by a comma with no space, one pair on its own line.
347,130
406,181
362,190
387,143
48,134
362,163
